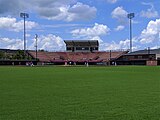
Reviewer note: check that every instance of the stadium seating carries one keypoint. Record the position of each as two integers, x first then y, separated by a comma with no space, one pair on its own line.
41,56
76,56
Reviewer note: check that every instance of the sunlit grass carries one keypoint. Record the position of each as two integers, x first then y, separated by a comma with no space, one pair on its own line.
80,93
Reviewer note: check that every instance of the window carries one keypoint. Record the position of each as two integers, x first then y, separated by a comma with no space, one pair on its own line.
69,48
139,57
82,48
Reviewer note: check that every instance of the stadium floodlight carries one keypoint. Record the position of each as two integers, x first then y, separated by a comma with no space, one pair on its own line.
130,16
36,38
24,16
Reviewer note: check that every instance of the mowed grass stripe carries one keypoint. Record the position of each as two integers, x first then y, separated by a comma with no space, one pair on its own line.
78,93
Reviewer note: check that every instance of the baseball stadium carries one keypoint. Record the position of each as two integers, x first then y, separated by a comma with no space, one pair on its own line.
79,60
81,83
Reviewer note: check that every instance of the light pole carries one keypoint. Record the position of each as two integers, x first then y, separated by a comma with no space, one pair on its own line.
130,16
36,38
24,16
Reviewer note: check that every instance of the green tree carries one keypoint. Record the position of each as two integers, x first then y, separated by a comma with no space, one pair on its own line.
2,55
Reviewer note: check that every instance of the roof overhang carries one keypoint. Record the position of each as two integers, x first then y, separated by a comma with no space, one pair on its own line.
81,42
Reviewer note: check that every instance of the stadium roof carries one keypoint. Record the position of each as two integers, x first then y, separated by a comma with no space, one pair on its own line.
81,42
151,51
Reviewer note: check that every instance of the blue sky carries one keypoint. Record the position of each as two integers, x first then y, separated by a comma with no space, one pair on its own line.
58,20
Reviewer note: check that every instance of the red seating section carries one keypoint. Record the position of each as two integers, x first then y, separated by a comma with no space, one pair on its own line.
76,56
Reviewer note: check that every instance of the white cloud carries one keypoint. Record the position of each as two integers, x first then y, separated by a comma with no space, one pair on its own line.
96,30
49,42
12,24
112,1
119,28
65,10
121,45
155,47
97,38
149,13
117,46
120,14
151,33
92,33
7,43
95,33
79,11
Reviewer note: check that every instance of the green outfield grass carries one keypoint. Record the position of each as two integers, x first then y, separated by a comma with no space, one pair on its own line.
80,93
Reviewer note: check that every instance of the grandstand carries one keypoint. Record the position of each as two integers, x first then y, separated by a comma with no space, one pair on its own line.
76,57
79,53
